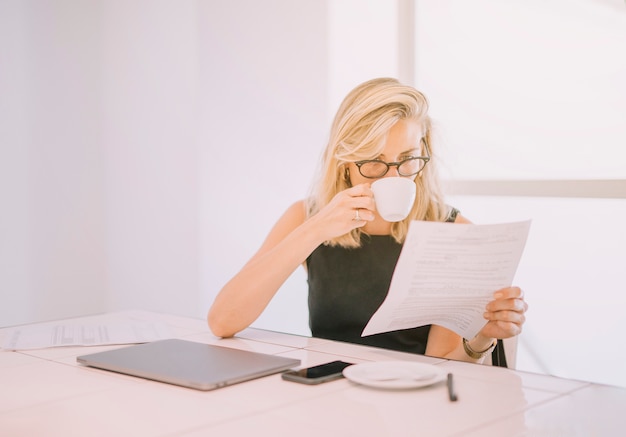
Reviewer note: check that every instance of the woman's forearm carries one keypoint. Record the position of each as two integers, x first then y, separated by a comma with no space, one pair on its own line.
475,347
246,295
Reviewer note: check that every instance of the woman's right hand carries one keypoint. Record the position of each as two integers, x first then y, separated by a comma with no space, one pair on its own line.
349,209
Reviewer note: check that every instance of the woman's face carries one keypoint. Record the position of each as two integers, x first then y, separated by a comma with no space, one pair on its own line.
403,141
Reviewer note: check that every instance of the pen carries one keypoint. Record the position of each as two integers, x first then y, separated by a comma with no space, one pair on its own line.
451,394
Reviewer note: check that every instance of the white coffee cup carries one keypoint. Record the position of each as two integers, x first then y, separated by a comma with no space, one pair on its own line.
394,197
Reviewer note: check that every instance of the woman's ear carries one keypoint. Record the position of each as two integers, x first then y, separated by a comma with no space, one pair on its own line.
346,176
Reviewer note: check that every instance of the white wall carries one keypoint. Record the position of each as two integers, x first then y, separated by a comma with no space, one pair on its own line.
264,112
52,223
150,92
148,146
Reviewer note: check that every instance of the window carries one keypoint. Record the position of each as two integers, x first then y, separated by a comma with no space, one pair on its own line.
526,90
529,103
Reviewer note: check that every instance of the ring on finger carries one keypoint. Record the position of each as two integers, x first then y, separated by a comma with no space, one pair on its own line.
357,217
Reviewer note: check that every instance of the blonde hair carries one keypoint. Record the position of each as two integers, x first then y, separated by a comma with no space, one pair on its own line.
359,131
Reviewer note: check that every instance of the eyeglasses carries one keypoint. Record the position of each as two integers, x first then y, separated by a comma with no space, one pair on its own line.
376,168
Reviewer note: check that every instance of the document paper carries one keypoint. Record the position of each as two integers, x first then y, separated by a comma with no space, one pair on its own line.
84,334
447,273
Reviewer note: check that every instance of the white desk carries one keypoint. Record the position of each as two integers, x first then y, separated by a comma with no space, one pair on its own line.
46,393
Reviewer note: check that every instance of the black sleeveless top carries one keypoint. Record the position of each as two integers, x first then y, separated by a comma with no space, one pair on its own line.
346,287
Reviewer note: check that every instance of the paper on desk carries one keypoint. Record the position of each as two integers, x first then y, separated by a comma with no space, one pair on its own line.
84,334
447,273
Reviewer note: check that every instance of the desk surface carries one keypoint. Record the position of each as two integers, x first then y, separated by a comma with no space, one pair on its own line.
45,392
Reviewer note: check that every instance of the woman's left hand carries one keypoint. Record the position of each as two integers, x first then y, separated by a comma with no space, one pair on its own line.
505,314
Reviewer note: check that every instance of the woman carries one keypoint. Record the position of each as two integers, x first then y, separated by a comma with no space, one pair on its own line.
381,129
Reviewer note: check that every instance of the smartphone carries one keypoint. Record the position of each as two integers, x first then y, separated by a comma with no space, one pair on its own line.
317,374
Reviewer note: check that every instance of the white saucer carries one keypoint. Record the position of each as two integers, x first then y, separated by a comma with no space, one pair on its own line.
394,374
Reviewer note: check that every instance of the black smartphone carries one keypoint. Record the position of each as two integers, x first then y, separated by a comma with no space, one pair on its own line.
317,374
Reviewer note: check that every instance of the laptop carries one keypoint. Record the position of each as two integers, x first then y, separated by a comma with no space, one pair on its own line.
189,364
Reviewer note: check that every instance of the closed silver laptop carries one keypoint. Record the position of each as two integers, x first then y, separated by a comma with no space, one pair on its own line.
189,364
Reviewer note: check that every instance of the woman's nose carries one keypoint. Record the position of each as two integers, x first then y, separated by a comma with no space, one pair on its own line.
393,171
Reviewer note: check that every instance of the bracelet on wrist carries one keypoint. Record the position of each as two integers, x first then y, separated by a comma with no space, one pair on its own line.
477,354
